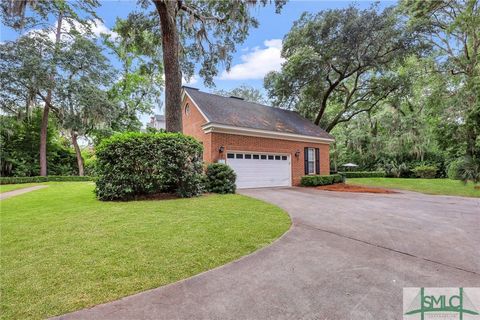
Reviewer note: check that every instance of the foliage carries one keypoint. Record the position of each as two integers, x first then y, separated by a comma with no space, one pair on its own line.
363,174
140,83
246,92
19,142
338,63
453,169
426,172
429,186
311,181
15,180
135,246
135,164
220,178
469,170
452,28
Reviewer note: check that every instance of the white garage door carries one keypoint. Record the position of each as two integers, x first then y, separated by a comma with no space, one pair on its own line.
256,170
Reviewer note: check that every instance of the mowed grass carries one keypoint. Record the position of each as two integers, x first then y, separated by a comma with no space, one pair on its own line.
11,187
63,250
429,186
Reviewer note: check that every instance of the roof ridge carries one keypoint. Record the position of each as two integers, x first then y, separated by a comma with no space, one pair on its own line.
245,101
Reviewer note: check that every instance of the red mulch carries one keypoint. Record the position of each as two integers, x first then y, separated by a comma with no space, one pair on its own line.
342,187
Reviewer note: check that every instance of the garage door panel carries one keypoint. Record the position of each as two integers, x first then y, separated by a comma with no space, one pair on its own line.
255,173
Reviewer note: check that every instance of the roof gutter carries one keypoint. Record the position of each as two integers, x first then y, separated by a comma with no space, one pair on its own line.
222,128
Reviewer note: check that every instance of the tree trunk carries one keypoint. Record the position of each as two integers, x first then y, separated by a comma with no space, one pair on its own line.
46,110
78,153
167,10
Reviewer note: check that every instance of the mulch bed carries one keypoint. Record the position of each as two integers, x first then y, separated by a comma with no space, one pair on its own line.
342,187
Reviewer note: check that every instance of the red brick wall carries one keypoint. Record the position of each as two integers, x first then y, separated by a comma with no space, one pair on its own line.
247,143
192,126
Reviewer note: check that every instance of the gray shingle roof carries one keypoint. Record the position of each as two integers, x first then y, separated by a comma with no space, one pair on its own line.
239,113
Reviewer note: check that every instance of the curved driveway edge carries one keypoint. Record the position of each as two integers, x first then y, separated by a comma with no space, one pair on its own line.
13,193
346,256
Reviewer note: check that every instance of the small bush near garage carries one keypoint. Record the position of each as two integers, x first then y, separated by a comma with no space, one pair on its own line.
426,172
220,178
134,164
364,174
313,181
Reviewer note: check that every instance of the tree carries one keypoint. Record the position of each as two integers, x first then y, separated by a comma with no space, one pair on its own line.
82,102
14,14
338,59
248,93
452,28
203,32
140,84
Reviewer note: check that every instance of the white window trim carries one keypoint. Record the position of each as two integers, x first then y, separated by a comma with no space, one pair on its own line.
313,160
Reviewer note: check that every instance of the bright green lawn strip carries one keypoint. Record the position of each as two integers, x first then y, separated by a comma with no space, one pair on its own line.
62,250
430,186
11,187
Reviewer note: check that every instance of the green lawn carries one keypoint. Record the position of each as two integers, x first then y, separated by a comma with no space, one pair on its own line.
430,186
62,250
11,187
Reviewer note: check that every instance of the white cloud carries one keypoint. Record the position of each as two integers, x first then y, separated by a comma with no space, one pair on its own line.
257,63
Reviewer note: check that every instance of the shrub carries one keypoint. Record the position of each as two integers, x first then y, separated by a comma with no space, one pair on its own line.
428,172
453,171
136,164
220,178
312,181
15,180
469,170
364,174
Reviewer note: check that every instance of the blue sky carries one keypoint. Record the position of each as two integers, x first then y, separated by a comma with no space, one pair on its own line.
259,54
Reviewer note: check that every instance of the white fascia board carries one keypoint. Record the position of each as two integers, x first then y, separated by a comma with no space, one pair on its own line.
196,105
221,128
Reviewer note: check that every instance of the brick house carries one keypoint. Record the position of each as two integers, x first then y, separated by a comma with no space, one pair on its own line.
265,146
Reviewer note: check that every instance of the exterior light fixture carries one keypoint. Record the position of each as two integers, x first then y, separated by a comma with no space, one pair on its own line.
221,149
297,153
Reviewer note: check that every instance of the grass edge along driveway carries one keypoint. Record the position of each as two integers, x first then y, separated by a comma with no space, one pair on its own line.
430,186
63,250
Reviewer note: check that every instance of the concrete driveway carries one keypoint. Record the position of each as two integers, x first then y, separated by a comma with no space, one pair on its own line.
347,256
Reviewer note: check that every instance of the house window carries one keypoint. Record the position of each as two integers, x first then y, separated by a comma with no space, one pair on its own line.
263,157
277,157
239,156
248,156
284,157
311,160
187,109
256,156
230,155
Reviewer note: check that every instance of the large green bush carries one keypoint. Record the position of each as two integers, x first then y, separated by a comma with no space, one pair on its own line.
137,164
364,174
15,180
220,178
426,172
313,181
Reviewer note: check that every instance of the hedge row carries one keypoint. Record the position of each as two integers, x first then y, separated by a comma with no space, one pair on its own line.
15,180
313,181
363,174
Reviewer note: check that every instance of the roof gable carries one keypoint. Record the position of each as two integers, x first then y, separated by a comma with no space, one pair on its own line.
239,113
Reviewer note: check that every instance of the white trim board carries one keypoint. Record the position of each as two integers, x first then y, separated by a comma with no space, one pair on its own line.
221,128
